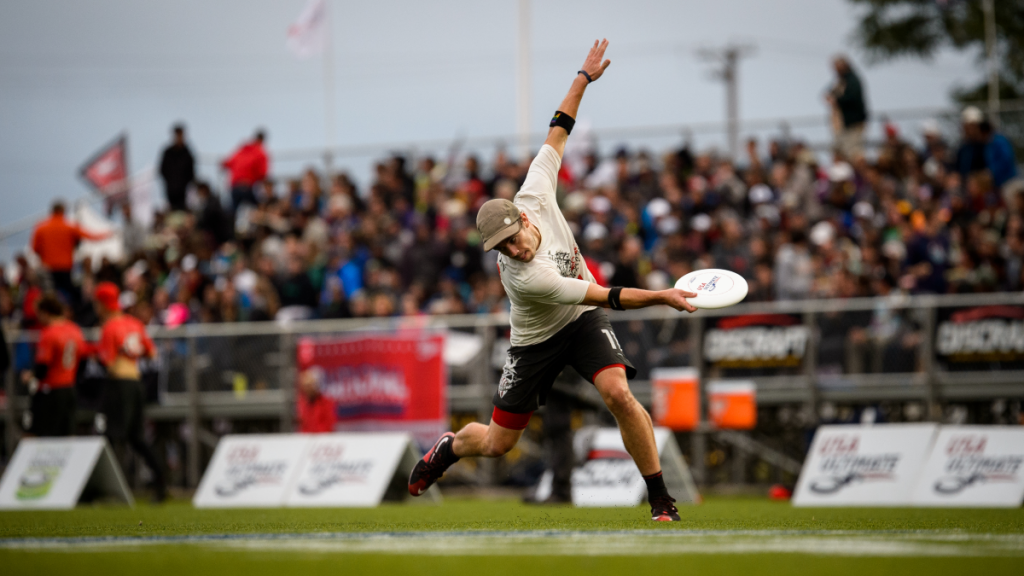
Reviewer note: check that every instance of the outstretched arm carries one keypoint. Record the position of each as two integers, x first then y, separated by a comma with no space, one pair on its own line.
636,298
594,66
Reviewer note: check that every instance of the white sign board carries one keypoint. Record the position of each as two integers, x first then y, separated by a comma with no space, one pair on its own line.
305,470
251,471
609,477
974,466
52,473
864,465
348,469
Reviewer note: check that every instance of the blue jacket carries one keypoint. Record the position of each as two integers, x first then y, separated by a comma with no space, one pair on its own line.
1000,159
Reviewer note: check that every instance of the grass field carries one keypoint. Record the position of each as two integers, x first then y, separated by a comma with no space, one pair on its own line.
721,536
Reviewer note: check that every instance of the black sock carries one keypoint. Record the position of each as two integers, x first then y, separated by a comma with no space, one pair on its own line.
655,486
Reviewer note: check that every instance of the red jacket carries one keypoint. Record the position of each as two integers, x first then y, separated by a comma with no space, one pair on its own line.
248,165
54,240
316,415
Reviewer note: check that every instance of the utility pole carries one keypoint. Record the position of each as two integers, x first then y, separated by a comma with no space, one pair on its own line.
523,81
989,9
728,58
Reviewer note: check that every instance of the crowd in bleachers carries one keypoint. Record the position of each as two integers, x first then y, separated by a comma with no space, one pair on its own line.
918,214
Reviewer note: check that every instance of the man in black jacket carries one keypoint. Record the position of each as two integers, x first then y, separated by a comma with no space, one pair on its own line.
849,112
177,168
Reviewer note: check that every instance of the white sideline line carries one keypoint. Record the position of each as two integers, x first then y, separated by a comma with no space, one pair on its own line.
571,543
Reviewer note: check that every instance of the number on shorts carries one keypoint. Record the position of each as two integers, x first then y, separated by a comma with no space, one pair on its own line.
612,339
68,358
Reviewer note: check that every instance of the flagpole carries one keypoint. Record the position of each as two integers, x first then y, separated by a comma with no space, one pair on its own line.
329,90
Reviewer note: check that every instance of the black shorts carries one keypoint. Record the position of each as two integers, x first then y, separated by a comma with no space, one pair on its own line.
588,344
53,412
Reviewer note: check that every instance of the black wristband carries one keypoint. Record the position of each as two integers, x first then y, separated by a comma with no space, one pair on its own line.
613,298
564,120
587,76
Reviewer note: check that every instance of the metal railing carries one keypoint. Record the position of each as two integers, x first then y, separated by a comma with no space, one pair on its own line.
803,353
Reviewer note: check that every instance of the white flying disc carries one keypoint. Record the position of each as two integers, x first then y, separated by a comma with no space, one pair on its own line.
714,288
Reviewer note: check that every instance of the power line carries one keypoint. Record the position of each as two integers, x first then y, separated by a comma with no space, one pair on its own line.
728,58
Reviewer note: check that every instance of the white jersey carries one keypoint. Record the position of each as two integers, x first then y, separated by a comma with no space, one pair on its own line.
545,292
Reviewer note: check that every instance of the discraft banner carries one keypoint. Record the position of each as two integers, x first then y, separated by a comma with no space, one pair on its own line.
395,382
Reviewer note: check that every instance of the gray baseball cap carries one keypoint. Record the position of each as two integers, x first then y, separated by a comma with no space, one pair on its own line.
497,220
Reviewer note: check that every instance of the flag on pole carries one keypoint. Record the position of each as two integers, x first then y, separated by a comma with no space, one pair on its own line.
308,35
107,171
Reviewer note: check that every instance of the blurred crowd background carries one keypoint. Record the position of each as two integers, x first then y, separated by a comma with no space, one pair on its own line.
920,212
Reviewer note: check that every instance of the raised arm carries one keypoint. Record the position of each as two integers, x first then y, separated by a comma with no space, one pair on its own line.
595,68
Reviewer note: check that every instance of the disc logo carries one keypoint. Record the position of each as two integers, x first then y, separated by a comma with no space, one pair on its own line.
710,285
843,465
245,470
967,465
328,467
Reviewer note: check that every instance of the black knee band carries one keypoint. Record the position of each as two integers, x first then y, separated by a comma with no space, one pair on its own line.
564,120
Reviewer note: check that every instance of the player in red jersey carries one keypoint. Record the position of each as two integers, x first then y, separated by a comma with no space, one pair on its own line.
123,341
51,383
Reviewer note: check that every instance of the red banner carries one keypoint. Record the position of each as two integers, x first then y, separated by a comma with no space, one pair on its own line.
382,382
107,171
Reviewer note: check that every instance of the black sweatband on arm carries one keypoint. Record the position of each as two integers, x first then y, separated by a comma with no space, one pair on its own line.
585,75
613,298
564,120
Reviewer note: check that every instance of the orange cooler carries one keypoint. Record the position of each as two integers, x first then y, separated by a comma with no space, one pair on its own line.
676,397
733,404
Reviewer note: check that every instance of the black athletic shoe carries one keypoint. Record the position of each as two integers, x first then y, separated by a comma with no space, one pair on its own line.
663,509
432,466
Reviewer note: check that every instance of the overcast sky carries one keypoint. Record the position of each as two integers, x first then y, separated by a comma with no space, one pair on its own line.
75,74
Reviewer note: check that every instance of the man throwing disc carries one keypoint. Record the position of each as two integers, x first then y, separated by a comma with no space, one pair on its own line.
555,320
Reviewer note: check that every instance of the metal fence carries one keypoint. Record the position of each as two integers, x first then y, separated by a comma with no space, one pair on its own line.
805,356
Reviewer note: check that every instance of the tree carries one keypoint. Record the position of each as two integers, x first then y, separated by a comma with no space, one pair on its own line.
891,29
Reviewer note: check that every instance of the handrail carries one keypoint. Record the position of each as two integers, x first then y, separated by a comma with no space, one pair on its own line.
440,322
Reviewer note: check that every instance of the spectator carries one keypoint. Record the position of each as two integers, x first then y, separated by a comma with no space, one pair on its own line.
999,156
211,217
54,241
248,166
316,412
177,169
849,110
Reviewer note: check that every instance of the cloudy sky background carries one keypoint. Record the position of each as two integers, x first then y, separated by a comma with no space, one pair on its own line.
75,74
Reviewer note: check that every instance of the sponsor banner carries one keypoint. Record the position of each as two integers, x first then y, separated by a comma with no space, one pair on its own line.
977,338
974,466
305,470
393,382
50,473
756,341
251,471
864,465
347,469
609,477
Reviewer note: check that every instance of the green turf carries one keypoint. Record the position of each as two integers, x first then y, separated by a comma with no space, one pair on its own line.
715,514
180,518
